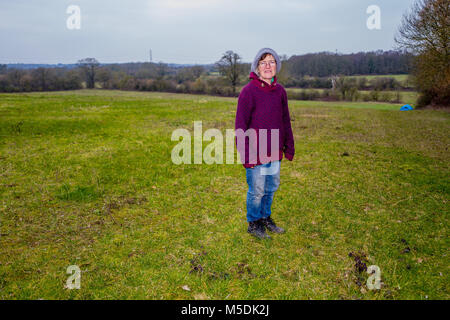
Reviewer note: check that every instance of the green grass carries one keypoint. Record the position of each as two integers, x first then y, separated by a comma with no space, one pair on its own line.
86,179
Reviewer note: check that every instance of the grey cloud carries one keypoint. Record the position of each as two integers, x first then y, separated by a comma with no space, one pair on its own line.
195,31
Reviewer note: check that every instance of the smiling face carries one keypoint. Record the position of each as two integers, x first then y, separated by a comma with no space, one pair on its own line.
267,67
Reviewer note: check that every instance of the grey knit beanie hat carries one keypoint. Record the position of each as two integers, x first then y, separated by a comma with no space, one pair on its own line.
259,55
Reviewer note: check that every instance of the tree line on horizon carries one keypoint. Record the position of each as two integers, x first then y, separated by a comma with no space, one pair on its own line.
363,63
303,71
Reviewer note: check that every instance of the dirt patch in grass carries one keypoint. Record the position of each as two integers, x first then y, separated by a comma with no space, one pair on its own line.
118,203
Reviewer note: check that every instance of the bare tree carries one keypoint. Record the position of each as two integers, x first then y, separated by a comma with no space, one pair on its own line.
189,73
42,78
283,75
425,31
230,67
197,71
89,67
14,76
426,27
161,70
103,75
3,68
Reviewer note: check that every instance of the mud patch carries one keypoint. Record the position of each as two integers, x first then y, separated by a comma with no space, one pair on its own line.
360,267
115,204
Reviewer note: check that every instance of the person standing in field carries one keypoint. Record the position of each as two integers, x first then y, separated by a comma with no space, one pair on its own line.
263,116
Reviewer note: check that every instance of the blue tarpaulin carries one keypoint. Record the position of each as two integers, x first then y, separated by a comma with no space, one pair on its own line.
406,107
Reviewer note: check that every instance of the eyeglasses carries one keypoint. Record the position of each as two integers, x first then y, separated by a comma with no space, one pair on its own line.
265,63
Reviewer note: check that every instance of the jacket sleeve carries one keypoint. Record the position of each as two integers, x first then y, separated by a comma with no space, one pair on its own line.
243,118
288,147
244,111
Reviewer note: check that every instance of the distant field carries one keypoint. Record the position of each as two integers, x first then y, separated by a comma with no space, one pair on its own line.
402,78
407,97
398,77
86,179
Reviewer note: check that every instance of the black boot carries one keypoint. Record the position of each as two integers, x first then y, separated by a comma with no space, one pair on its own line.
271,226
255,228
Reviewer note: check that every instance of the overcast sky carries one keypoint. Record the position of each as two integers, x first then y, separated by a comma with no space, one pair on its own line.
190,31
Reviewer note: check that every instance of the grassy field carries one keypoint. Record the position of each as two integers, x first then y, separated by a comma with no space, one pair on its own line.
86,179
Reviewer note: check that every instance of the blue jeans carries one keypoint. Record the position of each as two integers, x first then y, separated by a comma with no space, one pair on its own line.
263,181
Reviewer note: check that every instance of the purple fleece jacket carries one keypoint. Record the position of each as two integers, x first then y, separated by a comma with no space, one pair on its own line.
264,106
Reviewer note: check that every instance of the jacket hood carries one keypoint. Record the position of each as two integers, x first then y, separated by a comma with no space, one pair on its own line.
262,84
259,55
